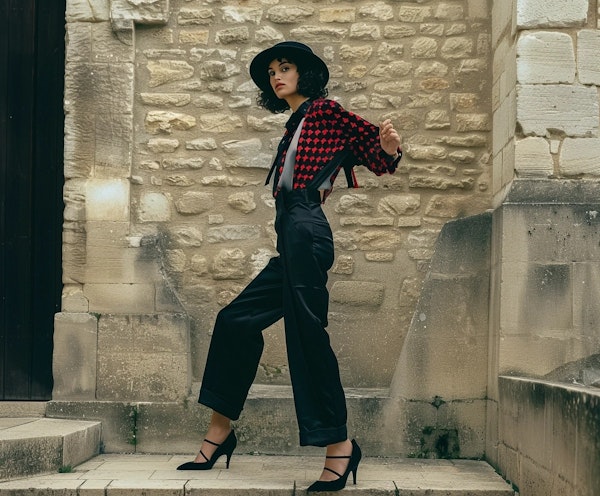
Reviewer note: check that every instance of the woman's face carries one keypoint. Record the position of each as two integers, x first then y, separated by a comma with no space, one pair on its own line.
283,76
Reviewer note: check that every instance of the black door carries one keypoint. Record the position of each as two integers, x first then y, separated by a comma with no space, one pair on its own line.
32,34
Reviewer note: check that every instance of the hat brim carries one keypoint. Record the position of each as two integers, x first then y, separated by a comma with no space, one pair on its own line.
260,64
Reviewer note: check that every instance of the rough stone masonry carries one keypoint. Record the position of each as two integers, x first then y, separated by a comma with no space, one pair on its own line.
166,154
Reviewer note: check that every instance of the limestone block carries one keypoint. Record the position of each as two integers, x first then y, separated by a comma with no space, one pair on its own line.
74,356
580,156
162,121
201,144
194,203
588,62
394,31
154,207
533,158
268,34
409,13
473,122
440,183
289,14
232,233
163,145
449,11
571,109
230,264
219,123
183,163
242,14
185,235
87,11
228,36
143,357
545,57
337,14
358,293
107,46
457,48
462,157
364,31
243,202
107,199
165,99
319,34
120,298
72,299
532,14
243,148
395,69
426,152
344,264
355,204
424,48
194,37
168,71
399,204
377,11
378,240
142,12
86,84
202,16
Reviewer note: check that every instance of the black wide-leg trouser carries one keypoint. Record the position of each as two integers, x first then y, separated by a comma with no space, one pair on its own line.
292,286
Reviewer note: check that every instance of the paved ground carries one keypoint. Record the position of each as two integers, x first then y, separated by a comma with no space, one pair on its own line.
155,475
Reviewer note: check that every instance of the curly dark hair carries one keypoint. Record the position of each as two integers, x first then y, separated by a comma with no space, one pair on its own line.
311,84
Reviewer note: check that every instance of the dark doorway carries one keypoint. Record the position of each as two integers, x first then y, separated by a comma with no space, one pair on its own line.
32,52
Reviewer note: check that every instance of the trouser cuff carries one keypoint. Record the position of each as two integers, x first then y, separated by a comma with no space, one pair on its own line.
218,404
324,437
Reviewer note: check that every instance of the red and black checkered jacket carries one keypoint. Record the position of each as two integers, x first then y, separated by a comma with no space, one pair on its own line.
332,138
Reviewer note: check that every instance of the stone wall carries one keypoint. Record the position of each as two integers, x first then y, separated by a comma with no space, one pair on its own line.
166,154
550,437
546,166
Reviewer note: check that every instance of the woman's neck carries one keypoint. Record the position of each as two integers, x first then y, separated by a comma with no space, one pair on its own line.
294,101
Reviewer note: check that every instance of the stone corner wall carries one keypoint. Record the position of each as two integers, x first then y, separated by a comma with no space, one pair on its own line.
546,168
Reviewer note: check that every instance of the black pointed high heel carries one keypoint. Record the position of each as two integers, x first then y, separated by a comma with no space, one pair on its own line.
225,448
340,483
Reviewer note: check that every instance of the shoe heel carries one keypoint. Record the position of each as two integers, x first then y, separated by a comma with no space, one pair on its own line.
228,459
354,475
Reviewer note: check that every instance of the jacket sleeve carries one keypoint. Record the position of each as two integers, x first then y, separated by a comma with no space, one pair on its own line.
363,140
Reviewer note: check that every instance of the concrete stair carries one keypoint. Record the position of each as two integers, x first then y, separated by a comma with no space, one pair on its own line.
248,475
33,445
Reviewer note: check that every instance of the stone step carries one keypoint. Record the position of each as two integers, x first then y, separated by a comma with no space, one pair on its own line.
267,425
34,445
248,475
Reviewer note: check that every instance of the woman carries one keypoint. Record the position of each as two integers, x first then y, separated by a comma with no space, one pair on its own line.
321,138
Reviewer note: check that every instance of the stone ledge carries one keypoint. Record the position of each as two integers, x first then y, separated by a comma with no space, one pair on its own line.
553,191
30,446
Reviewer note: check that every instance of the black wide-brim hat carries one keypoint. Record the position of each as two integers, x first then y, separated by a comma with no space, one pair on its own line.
294,50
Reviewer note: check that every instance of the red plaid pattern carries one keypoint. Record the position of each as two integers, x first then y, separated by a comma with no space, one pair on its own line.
329,129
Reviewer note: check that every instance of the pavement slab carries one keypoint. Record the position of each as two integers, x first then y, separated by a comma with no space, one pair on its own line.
259,475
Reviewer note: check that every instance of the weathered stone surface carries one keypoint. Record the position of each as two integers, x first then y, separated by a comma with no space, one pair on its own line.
219,123
457,48
168,71
243,201
424,152
410,13
74,357
163,145
186,236
228,36
144,358
107,199
289,14
399,204
344,264
87,11
237,14
588,62
424,48
532,14
354,204
232,233
182,163
142,12
545,57
201,144
580,156
166,99
229,264
160,121
154,207
377,11
194,203
359,293
533,158
337,14
573,110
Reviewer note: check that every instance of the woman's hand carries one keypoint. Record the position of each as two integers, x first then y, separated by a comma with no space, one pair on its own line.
388,137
